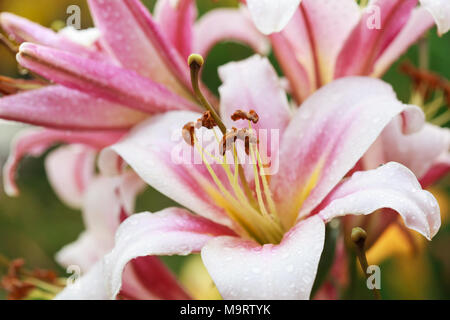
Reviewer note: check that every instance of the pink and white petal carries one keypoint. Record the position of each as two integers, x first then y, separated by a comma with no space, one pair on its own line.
245,270
438,170
34,142
104,202
272,16
23,30
177,22
85,37
131,36
419,22
417,151
391,186
101,79
89,286
145,278
367,42
329,134
84,253
253,84
64,108
440,10
169,232
156,151
329,24
148,278
228,25
69,170
293,49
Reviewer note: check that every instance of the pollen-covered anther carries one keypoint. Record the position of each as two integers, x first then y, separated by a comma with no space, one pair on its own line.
249,137
243,115
188,133
228,141
206,121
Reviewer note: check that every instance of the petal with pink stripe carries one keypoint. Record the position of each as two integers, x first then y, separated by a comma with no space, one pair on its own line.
391,186
101,79
168,232
228,25
158,154
23,30
130,34
330,132
419,22
379,25
177,22
63,108
418,151
34,142
69,170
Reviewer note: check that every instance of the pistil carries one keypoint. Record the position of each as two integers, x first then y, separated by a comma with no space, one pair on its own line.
359,237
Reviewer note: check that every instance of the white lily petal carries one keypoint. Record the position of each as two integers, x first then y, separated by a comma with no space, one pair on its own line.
245,270
272,16
440,10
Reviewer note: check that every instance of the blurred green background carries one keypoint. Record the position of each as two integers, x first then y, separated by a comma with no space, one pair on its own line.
36,224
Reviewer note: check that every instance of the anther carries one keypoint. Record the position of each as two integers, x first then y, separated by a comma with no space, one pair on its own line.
228,140
249,137
188,133
243,115
206,121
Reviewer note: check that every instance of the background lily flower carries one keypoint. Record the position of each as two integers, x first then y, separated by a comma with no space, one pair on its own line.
273,16
268,248
136,68
326,40
106,202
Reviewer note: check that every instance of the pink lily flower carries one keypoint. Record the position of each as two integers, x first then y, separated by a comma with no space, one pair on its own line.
325,39
273,16
135,69
318,41
106,202
266,244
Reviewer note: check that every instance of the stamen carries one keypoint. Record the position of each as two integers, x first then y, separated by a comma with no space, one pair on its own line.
228,141
12,86
188,133
206,121
250,213
442,119
24,284
243,115
249,137
432,108
432,81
